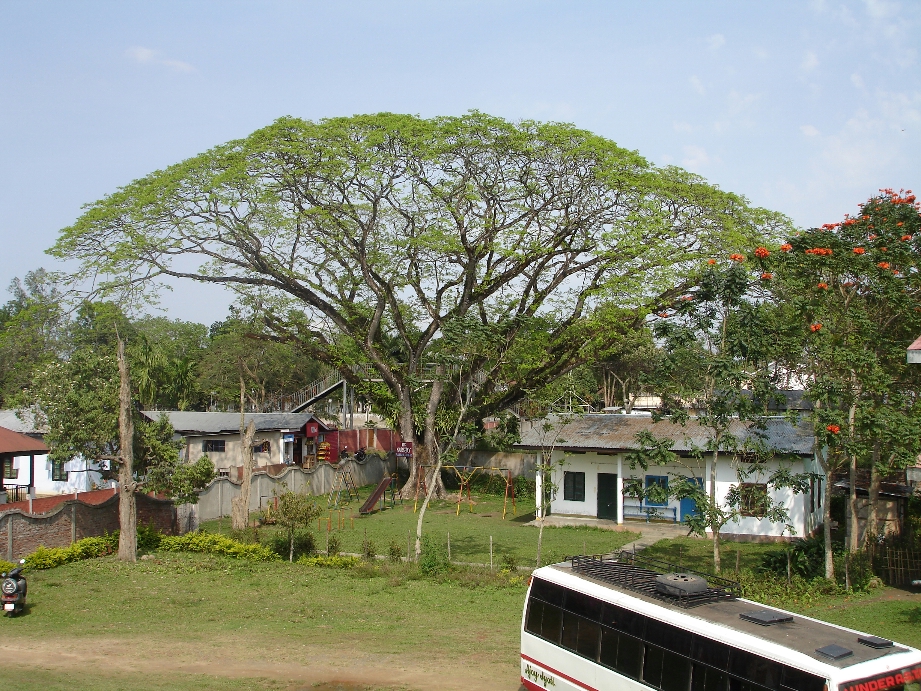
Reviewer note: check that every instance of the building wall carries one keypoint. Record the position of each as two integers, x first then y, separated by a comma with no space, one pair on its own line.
79,479
798,507
21,532
520,464
231,455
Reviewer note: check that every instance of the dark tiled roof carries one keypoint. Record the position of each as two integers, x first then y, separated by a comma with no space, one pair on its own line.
192,422
19,444
618,433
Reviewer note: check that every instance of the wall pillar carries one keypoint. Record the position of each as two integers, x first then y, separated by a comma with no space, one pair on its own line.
620,489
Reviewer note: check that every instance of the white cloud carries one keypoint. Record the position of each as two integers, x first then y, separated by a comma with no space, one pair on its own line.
880,9
857,80
739,103
716,41
695,157
681,127
697,85
808,130
148,56
141,54
810,61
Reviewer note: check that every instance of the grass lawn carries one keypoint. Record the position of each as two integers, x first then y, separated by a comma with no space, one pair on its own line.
470,531
694,553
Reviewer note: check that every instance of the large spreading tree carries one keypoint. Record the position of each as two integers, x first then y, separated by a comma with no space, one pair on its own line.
360,239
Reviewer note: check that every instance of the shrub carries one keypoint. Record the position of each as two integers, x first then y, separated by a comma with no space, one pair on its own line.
248,535
509,563
6,566
333,545
337,561
368,551
87,548
434,558
148,538
395,551
807,559
211,543
303,544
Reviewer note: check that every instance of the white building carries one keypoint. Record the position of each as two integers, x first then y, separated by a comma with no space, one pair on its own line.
588,454
39,471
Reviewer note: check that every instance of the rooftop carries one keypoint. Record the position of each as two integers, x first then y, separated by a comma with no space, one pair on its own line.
793,631
16,444
599,432
193,422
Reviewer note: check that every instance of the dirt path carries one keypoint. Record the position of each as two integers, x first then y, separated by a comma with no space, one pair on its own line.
305,667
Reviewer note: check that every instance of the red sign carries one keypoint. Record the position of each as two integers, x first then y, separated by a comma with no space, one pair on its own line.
312,430
405,449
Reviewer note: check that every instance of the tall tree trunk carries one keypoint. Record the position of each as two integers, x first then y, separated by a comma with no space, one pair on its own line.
239,513
853,526
872,531
408,434
714,525
127,507
825,465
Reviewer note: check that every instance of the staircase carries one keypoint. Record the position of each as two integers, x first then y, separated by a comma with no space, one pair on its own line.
330,380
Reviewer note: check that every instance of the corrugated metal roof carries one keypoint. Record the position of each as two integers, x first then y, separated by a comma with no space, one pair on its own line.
618,433
19,444
10,420
194,422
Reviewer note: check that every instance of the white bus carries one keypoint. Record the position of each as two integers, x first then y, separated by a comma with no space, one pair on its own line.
626,623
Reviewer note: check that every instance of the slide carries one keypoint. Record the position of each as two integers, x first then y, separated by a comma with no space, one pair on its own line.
376,495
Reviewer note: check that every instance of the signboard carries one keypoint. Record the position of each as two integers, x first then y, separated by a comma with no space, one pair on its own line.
312,430
288,437
405,449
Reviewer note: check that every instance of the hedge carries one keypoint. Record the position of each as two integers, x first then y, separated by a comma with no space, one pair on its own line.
212,543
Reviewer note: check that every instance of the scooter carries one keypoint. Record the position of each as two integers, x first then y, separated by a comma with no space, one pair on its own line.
13,590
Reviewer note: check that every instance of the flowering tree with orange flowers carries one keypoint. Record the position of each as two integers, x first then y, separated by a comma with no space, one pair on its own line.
850,298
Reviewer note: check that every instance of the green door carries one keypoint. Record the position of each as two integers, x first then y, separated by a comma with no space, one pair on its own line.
607,495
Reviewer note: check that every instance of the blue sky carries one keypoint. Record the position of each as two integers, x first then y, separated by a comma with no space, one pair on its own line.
803,107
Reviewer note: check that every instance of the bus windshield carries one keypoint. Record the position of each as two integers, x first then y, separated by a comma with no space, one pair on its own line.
907,679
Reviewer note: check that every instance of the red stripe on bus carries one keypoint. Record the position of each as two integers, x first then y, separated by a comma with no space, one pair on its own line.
554,671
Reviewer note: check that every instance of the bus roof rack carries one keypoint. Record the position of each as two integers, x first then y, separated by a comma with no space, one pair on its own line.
639,573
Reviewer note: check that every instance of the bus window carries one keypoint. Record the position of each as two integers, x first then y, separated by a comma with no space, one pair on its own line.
629,657
652,666
608,656
624,620
535,612
584,605
676,672
795,680
710,652
668,637
548,592
589,637
755,668
708,679
551,623
570,631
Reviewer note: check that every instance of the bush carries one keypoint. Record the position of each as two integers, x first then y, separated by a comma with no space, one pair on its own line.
6,566
807,559
211,543
337,561
774,590
87,548
148,538
434,558
248,535
395,552
333,545
304,544
509,563
368,551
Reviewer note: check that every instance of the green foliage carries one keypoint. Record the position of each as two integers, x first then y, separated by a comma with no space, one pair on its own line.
280,543
807,559
333,561
395,551
295,512
493,485
433,560
368,550
6,566
774,590
333,545
87,548
210,543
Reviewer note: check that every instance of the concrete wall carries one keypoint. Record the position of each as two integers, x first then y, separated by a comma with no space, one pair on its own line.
21,532
231,455
521,464
214,501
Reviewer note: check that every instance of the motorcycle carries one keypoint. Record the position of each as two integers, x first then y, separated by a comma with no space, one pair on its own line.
13,590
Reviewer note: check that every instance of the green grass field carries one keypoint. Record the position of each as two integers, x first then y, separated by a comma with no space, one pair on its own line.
469,531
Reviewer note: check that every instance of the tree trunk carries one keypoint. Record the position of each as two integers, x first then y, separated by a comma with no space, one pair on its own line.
127,507
853,526
240,505
826,518
872,532
425,505
714,525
